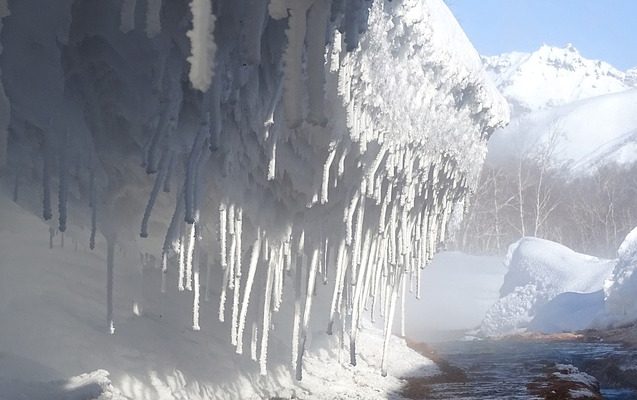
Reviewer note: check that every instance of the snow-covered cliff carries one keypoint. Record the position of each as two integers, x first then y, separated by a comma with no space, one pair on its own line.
283,145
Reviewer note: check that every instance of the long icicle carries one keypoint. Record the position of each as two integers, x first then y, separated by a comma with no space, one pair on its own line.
254,260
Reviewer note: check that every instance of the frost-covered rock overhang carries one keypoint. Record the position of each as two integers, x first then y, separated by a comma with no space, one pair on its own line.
286,140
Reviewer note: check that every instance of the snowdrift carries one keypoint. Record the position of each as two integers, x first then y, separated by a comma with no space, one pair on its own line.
540,273
621,288
293,164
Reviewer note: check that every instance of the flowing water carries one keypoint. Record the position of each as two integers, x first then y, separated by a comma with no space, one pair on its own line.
502,369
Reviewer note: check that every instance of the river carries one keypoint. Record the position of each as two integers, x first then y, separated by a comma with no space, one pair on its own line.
502,369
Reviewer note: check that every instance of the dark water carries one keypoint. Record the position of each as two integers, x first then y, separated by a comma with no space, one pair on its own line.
502,369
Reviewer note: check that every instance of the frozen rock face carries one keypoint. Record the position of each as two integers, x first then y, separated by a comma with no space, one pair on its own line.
620,288
538,272
313,140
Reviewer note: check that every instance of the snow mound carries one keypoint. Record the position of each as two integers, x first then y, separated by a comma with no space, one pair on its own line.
553,76
621,288
538,272
94,385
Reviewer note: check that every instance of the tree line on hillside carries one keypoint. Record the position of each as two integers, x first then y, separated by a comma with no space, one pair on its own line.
536,196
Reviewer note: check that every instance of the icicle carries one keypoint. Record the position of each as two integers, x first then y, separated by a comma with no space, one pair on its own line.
254,341
159,180
171,234
110,271
202,44
263,357
316,26
153,18
326,172
388,324
350,217
191,171
293,63
272,156
252,269
63,187
195,298
127,16
222,234
171,161
338,284
298,278
223,296
190,253
357,298
182,260
278,279
46,185
237,276
311,280
232,252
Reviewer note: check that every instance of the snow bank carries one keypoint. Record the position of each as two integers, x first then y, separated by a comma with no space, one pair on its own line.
621,287
51,329
322,153
538,272
457,290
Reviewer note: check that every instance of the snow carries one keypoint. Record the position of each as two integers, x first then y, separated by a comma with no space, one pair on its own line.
585,134
565,76
538,272
620,288
407,107
550,289
584,107
93,385
153,355
202,42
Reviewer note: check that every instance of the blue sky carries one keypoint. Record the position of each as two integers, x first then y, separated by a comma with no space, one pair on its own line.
599,29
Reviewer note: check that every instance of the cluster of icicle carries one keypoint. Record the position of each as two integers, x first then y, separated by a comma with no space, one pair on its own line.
393,217
355,210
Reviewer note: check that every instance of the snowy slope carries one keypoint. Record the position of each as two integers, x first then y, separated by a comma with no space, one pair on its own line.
584,107
299,164
538,272
552,76
585,133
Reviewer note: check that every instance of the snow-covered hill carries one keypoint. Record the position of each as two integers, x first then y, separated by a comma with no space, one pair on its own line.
552,76
585,133
584,108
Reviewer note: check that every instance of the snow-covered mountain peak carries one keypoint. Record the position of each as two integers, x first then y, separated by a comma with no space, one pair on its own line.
552,76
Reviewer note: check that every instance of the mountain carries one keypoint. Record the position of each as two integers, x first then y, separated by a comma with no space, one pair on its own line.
586,108
553,76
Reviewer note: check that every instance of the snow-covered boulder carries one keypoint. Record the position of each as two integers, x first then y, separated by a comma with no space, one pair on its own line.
621,288
540,271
